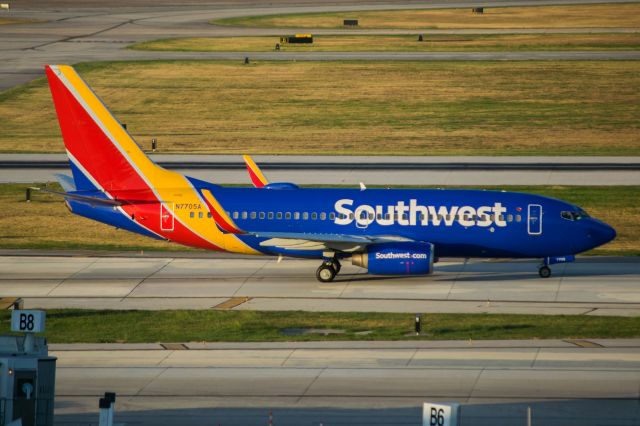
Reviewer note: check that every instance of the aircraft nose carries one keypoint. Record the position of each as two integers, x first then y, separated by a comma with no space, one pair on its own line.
601,233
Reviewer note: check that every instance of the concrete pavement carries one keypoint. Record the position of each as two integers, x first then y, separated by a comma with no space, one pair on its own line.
592,286
338,384
350,170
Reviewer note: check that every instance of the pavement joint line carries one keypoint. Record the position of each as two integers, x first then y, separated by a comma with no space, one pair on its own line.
282,364
246,280
70,277
475,382
413,355
311,384
153,379
147,277
535,358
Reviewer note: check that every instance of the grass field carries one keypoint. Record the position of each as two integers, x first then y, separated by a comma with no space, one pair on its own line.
402,43
45,223
571,16
86,326
374,108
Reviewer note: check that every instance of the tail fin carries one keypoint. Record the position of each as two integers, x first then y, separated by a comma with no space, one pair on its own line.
101,152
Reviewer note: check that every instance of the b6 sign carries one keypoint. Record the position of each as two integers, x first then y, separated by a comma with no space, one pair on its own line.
440,414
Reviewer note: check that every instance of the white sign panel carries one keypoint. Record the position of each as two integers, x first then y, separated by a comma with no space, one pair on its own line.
27,321
440,414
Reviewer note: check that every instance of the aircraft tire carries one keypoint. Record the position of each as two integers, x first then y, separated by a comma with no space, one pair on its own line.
544,272
325,273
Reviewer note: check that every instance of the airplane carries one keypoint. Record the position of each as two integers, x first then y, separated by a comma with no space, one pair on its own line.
386,231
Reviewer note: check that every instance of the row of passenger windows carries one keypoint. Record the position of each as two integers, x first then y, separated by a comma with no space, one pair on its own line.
364,215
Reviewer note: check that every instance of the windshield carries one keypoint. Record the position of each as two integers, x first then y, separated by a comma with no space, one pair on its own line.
574,215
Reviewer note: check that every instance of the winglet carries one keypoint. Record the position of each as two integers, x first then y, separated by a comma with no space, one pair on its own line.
258,179
222,219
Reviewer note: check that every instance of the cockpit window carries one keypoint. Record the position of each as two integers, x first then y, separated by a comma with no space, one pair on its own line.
574,215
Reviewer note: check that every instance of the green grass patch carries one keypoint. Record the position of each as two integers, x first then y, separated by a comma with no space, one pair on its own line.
401,43
93,326
375,108
45,223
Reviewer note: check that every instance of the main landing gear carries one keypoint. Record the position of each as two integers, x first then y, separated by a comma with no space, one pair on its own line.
328,270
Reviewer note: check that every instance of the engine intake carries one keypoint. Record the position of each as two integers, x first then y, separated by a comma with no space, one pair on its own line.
396,259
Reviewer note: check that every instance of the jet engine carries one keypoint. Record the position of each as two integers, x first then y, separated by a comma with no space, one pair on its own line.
396,259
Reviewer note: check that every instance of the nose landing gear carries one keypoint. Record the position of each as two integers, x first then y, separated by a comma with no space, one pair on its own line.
328,270
544,271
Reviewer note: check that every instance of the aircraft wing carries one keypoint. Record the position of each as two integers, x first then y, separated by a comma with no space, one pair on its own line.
320,241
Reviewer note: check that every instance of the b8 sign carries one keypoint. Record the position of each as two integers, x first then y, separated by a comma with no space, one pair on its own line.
440,414
27,321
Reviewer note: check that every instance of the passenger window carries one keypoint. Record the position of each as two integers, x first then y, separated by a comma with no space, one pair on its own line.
296,215
244,215
279,215
405,216
501,217
323,216
351,216
270,215
332,216
192,214
305,216
209,215
235,215
509,218
440,217
261,215
518,218
252,215
200,215
287,215
314,216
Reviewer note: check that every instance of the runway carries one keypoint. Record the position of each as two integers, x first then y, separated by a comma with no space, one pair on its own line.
351,170
96,33
340,383
592,286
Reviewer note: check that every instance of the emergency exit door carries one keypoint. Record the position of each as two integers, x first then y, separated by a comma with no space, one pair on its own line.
534,222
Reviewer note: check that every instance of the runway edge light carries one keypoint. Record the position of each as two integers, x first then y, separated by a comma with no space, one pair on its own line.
440,414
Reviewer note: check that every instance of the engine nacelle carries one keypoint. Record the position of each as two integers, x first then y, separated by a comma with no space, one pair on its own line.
396,259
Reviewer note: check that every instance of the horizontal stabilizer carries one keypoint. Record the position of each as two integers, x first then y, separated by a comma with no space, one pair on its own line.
84,198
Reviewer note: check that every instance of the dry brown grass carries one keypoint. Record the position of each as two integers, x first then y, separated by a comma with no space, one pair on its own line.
572,16
415,108
402,43
13,21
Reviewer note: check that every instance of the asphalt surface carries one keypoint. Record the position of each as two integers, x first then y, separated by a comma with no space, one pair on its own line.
347,170
592,286
340,383
94,31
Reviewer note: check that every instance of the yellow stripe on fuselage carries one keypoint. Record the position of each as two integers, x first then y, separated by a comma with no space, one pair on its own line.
169,186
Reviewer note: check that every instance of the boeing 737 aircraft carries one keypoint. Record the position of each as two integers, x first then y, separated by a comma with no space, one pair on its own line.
386,231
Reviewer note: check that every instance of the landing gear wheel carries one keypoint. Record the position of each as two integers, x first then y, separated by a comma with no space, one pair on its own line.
544,272
325,273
